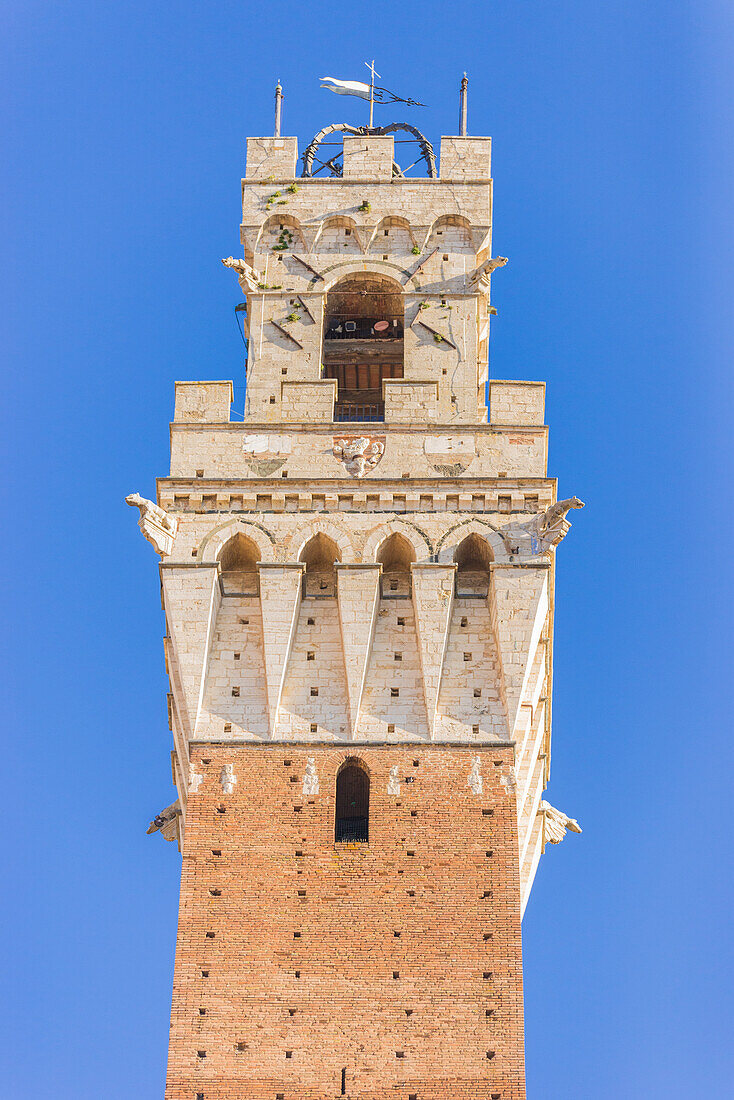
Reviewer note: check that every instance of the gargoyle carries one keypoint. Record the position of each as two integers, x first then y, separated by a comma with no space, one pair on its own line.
248,277
553,525
556,823
480,277
544,531
166,821
157,526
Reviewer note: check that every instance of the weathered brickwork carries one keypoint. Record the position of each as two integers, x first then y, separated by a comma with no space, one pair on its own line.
298,941
361,570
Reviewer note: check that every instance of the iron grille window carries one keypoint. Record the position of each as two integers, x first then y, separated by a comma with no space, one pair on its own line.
352,804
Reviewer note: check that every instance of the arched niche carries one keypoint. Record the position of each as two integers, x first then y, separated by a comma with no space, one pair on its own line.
238,559
352,809
281,233
364,318
338,234
320,555
451,233
396,555
392,236
473,557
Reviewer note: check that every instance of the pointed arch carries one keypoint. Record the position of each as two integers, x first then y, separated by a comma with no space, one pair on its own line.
212,544
320,555
449,542
418,539
451,232
282,233
338,233
392,233
306,532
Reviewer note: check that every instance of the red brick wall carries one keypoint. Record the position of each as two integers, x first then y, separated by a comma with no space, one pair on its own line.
458,953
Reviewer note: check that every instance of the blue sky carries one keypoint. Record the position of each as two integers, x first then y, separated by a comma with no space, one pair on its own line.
123,137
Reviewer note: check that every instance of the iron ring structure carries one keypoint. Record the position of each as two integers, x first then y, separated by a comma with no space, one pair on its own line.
334,166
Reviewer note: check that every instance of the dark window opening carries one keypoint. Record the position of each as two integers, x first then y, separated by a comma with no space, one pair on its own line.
352,804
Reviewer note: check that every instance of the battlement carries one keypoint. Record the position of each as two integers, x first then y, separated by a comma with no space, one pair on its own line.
368,157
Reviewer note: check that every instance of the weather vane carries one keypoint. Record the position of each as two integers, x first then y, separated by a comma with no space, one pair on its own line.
371,92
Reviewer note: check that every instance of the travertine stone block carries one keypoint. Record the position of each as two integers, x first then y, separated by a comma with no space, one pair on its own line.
407,402
368,157
191,599
306,401
465,158
271,156
358,591
280,597
518,603
433,597
516,402
203,402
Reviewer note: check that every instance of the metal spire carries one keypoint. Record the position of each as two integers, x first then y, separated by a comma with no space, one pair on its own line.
278,105
462,105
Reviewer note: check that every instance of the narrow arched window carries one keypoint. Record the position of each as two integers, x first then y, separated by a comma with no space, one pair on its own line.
352,803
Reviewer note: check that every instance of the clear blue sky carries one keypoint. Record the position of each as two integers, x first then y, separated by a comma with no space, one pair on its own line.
123,140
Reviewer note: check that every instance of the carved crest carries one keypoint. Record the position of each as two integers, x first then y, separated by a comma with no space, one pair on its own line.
360,454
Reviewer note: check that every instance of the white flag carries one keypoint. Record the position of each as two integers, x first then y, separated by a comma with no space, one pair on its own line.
346,87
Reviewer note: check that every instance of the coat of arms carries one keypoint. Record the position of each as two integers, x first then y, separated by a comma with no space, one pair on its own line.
360,454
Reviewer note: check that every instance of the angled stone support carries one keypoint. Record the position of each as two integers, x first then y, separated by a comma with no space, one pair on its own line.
358,594
518,606
191,599
433,598
280,600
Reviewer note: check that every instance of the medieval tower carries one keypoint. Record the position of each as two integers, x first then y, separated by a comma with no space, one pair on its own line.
358,583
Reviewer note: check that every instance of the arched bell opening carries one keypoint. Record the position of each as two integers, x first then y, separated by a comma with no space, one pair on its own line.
238,559
473,558
396,556
320,555
363,342
351,820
